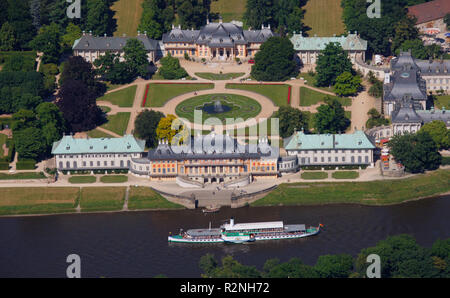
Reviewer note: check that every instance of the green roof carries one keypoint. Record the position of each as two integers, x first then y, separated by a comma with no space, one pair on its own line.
302,141
125,144
351,42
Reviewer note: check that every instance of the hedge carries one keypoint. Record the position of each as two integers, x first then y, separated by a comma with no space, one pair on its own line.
4,165
327,168
26,164
445,160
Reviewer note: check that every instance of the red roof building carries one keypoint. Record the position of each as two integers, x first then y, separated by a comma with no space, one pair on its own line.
430,11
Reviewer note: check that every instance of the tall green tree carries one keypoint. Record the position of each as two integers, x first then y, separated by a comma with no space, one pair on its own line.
404,30
20,19
347,84
290,119
170,68
417,152
332,62
330,118
438,132
145,126
136,57
99,18
48,42
274,61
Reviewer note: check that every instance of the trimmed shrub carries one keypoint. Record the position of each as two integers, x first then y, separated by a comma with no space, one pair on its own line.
4,165
26,164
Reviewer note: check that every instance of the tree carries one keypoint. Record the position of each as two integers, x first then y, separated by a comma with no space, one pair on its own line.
259,12
347,84
290,119
400,256
20,19
29,143
419,50
332,62
334,266
438,132
208,264
274,61
167,129
330,118
78,105
294,268
157,17
404,30
230,268
376,119
73,32
99,18
48,42
136,57
76,68
417,152
170,68
52,122
7,38
145,126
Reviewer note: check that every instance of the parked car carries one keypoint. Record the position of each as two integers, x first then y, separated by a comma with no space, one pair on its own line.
251,61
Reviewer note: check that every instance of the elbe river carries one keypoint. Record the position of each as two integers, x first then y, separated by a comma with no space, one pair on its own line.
134,244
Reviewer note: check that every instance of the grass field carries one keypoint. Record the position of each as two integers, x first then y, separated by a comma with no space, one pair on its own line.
229,9
117,123
324,17
345,175
37,200
219,76
82,179
102,198
367,193
277,93
241,106
314,175
311,80
114,179
22,176
310,97
128,16
123,98
159,94
442,101
95,133
146,198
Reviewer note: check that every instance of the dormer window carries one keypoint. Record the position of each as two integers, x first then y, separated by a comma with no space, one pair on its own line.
91,147
105,147
67,147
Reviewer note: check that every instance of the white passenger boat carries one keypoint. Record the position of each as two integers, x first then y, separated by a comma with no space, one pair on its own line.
245,232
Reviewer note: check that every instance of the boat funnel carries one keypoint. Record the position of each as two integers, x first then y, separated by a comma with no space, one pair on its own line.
231,222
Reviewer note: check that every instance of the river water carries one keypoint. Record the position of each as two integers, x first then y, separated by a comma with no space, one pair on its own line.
134,244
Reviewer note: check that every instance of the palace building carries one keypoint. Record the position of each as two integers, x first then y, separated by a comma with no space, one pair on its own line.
309,48
331,149
96,153
430,14
215,41
210,158
92,47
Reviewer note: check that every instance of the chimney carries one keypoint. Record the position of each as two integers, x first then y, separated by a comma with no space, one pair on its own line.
173,26
220,20
231,222
387,77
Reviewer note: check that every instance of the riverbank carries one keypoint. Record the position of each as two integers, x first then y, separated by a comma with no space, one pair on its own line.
65,200
376,193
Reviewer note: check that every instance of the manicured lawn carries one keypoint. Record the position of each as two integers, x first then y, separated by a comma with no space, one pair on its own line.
82,179
159,94
123,98
345,175
310,97
311,80
229,9
369,193
146,198
277,93
37,200
219,76
22,176
442,101
117,123
314,175
241,106
324,17
102,198
128,15
114,179
95,133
